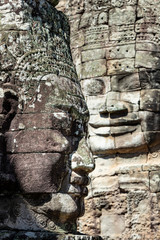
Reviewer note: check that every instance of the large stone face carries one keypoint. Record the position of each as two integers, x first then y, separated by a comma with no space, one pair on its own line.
44,157
115,47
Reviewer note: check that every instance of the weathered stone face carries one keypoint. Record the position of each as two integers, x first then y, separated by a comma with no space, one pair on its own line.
45,160
123,108
124,120
115,46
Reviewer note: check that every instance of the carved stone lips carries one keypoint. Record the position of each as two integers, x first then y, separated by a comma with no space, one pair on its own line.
115,123
113,130
118,126
109,122
78,185
79,180
78,191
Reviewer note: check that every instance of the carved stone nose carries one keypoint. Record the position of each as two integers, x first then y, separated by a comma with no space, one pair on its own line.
82,160
117,107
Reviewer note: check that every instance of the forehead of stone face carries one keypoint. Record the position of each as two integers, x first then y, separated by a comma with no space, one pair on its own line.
53,92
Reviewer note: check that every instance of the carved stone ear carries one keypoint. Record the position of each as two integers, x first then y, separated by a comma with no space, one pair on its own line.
9,107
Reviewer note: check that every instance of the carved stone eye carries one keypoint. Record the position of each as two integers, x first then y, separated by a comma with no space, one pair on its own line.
93,87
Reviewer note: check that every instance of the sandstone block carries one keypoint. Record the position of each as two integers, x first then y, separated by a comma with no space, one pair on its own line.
94,86
97,121
119,16
135,139
134,181
152,138
101,145
77,40
85,20
104,167
131,159
112,224
102,184
44,140
132,97
155,181
38,172
120,66
123,33
150,121
121,51
93,54
149,100
151,59
94,103
151,47
94,68
149,79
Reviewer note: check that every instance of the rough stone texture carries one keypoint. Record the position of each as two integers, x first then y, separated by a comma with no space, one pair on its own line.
44,157
116,49
21,235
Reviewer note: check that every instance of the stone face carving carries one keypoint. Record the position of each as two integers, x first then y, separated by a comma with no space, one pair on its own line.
44,157
118,122
115,46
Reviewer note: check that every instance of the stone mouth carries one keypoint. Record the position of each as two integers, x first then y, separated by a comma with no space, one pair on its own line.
78,192
114,130
114,127
115,123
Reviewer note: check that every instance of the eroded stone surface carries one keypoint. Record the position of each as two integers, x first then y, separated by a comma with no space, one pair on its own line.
11,235
116,49
44,157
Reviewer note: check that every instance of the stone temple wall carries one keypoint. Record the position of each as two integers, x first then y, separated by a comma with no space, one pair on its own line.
44,157
116,49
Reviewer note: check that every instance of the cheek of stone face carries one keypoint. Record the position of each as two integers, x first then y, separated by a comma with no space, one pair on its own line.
150,100
38,158
40,140
150,117
150,123
38,172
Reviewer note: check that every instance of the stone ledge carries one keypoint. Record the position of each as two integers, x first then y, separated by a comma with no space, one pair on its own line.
23,235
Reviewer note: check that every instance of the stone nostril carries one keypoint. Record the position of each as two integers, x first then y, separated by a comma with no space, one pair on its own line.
117,107
103,109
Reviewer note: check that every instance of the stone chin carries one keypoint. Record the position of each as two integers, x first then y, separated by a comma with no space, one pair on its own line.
62,212
128,143
111,145
45,212
64,207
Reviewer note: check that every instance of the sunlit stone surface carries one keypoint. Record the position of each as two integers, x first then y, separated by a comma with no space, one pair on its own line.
44,157
116,49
